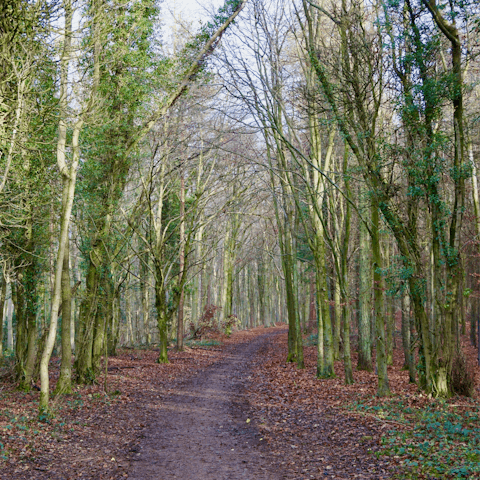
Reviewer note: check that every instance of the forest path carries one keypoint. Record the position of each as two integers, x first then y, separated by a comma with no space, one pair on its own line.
200,430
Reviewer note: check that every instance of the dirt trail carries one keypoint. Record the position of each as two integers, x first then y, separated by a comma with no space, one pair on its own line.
200,431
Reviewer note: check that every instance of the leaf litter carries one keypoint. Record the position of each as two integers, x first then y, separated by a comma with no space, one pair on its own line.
309,428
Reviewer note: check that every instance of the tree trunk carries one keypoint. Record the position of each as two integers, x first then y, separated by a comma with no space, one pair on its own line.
347,359
180,326
84,351
145,300
261,290
364,295
162,320
128,315
64,384
24,295
67,203
3,294
325,366
251,297
298,326
338,318
383,385
473,321
389,311
10,321
453,262
312,313
406,339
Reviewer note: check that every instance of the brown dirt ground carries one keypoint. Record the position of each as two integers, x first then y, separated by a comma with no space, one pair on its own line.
200,429
188,419
91,435
309,425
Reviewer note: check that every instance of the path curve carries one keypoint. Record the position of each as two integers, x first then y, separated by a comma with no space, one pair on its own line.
200,431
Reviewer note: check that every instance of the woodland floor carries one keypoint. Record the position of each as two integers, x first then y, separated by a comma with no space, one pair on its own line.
232,411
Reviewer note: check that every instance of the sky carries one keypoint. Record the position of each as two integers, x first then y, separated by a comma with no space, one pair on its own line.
187,10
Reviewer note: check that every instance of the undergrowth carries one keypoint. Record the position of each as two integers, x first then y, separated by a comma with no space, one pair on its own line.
439,440
203,343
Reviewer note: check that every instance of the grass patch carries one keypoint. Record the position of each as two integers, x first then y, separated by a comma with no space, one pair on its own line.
439,440
203,343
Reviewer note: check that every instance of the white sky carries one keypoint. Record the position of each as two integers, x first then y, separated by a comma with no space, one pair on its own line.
187,10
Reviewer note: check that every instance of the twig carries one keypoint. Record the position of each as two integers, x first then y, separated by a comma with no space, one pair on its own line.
370,415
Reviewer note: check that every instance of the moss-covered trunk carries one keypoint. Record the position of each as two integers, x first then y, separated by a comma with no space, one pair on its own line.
64,384
406,336
162,314
364,294
325,353
25,300
84,350
378,294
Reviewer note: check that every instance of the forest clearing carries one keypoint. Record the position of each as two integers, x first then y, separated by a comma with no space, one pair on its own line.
266,212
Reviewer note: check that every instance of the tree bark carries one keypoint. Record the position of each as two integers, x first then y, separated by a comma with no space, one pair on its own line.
378,294
364,295
64,384
180,326
406,338
3,294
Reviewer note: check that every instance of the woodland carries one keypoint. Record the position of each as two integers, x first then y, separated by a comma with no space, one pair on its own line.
308,167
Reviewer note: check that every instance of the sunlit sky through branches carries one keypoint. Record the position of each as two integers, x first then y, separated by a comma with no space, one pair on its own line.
188,13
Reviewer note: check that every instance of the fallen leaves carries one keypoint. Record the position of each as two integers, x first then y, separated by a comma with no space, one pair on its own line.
310,427
291,408
91,434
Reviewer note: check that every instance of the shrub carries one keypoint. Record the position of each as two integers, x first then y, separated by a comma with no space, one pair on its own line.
206,324
231,322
